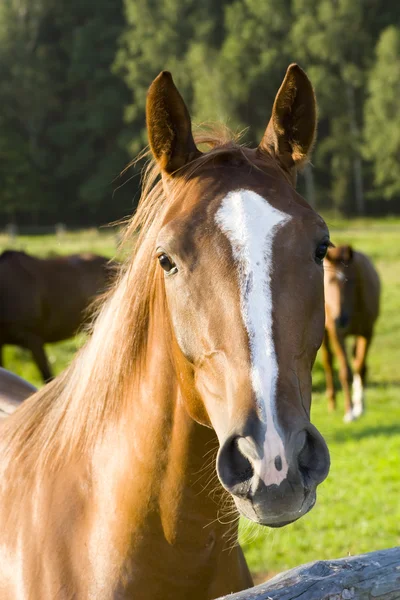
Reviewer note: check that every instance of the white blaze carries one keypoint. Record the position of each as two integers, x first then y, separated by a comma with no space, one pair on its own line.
250,223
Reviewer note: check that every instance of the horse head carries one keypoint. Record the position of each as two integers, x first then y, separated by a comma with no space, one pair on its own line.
241,260
340,288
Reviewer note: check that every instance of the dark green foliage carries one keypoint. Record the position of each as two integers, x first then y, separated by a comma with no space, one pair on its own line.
166,35
382,114
74,76
59,132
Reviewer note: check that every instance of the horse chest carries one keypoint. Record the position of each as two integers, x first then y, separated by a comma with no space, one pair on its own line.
178,571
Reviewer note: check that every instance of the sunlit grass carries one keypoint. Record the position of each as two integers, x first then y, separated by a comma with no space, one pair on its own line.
103,241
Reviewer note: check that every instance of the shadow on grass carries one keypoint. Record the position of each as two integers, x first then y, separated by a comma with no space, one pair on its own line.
319,386
370,431
383,384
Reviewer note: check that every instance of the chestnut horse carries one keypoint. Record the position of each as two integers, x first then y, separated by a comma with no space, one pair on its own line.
44,300
352,293
205,344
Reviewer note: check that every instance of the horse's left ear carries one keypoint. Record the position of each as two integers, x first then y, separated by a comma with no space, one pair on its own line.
291,130
169,126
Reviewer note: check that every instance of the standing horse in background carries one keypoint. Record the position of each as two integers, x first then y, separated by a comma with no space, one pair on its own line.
206,343
352,293
45,300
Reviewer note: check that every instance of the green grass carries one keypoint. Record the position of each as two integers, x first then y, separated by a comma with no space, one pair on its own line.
358,508
103,241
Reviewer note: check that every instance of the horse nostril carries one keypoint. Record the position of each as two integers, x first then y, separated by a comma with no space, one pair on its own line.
234,468
313,458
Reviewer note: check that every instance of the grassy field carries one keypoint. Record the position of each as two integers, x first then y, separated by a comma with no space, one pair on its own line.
358,507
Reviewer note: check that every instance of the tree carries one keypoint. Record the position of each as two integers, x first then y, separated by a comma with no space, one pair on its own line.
84,133
159,36
254,57
62,110
332,38
382,114
73,84
24,92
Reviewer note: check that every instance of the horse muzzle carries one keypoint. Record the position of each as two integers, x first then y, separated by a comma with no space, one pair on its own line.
264,489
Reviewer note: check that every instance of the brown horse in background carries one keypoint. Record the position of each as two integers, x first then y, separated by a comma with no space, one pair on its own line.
45,300
200,360
352,293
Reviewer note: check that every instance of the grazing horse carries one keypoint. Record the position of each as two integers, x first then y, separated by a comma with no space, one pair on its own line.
352,292
44,300
202,351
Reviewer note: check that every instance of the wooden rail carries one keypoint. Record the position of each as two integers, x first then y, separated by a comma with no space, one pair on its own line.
372,576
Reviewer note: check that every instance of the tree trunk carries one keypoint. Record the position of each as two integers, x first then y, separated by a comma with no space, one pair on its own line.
310,185
357,163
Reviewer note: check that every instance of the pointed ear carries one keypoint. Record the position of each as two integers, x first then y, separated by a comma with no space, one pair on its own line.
168,125
291,131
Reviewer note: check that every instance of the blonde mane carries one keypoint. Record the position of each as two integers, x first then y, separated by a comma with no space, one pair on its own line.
67,417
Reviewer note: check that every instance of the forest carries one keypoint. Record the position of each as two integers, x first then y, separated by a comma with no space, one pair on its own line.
74,76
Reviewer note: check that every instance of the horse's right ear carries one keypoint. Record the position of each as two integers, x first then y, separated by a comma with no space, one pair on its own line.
168,125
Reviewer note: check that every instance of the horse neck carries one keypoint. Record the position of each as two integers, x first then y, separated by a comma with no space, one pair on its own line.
163,470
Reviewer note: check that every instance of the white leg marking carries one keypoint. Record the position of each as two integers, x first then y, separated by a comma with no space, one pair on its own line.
349,417
250,223
357,396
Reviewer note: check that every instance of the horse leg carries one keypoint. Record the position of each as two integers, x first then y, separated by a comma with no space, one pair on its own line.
345,375
327,362
35,345
360,373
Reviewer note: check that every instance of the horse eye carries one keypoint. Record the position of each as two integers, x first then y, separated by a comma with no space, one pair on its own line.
166,263
321,252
